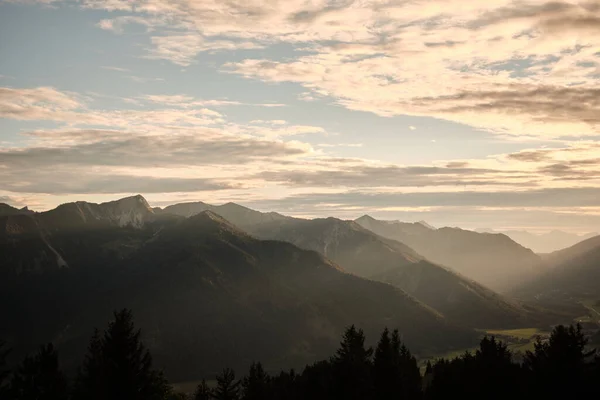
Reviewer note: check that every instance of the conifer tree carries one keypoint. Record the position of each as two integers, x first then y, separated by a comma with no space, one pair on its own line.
255,386
119,367
203,392
385,369
352,366
4,371
39,377
558,366
227,387
408,370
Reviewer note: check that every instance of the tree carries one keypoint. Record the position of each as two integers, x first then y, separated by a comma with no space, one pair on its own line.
4,371
352,367
227,387
558,366
39,377
385,369
285,386
410,381
119,367
202,392
255,386
494,374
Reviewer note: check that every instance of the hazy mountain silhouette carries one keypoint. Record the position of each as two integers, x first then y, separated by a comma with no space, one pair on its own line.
366,254
198,286
493,260
573,275
543,243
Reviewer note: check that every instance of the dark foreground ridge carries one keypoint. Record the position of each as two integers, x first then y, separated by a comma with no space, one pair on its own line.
118,366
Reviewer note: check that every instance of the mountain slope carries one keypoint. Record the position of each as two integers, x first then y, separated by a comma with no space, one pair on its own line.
6,210
131,211
579,249
362,252
543,243
574,276
206,295
493,260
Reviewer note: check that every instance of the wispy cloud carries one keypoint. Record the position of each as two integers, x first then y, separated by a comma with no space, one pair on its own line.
111,68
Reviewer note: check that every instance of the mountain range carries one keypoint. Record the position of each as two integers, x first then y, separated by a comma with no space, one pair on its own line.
222,285
493,260
366,254
205,293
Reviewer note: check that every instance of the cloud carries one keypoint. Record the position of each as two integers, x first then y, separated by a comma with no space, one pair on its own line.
42,103
182,49
558,198
70,182
141,79
186,101
117,148
111,68
364,175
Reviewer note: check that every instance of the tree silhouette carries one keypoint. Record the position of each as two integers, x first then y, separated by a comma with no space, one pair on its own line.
285,386
559,366
39,377
4,371
118,366
386,371
352,366
255,386
227,387
410,381
202,392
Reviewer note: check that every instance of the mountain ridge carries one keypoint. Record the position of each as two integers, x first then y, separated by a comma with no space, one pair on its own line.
250,297
366,254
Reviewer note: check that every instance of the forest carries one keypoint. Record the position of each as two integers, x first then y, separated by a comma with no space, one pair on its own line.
118,366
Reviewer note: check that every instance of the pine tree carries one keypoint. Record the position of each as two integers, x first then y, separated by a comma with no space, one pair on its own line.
408,370
558,366
255,386
4,371
227,387
385,369
202,392
39,378
352,367
118,366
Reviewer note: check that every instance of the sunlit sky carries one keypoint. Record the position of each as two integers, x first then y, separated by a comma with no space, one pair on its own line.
458,112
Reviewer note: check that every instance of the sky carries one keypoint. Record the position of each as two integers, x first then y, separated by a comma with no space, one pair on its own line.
457,112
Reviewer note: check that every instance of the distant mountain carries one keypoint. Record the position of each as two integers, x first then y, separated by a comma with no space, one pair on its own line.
581,248
545,242
6,210
493,260
131,211
38,242
573,276
205,293
366,254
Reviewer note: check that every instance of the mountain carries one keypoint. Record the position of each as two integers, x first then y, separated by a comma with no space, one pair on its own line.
368,255
205,293
545,242
6,210
573,276
131,211
493,260
38,242
563,256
